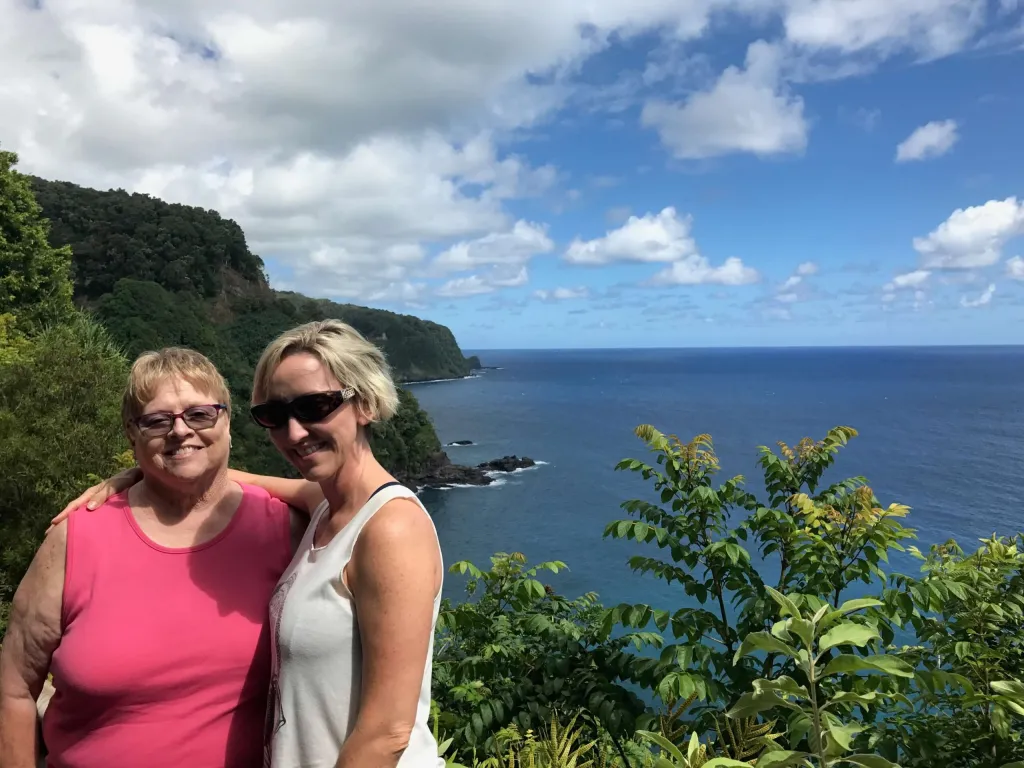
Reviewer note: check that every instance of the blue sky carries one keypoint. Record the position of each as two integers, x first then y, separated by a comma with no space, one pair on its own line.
843,204
728,173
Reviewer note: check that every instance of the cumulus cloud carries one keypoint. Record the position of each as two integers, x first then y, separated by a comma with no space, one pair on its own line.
981,300
788,291
972,237
1015,268
931,140
562,294
662,237
354,141
696,270
913,279
746,110
929,28
474,285
496,249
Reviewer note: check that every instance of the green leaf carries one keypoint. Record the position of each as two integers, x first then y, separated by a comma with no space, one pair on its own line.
752,703
725,762
870,761
842,734
890,665
762,641
666,746
783,684
1012,688
850,606
848,633
850,697
787,605
779,759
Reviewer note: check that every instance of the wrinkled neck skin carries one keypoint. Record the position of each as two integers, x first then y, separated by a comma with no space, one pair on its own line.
171,504
358,477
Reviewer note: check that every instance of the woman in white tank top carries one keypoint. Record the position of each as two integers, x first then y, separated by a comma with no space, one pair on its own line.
352,619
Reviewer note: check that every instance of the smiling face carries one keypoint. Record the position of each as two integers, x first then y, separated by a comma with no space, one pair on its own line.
184,456
317,450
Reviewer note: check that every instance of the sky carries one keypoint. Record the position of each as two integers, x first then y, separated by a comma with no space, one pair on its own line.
567,173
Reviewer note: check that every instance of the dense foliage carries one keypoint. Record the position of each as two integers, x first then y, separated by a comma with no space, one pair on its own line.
115,234
34,287
801,670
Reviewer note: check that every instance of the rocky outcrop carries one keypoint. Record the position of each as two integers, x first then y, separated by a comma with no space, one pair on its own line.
507,464
442,473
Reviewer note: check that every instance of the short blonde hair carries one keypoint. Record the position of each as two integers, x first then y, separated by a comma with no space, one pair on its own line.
351,359
151,369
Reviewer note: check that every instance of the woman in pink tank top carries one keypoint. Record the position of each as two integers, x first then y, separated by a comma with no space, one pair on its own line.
151,612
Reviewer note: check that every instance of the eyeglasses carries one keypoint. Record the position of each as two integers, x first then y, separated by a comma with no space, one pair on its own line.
307,409
160,423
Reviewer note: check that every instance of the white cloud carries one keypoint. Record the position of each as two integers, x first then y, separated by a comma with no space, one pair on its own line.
929,28
660,237
562,294
786,292
474,285
503,279
517,246
353,141
931,140
1015,268
349,140
791,282
981,300
746,110
696,270
972,237
913,279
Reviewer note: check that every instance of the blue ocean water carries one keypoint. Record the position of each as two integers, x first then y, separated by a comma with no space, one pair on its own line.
941,429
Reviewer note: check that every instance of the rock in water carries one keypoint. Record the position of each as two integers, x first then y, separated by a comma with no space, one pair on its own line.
507,464
459,442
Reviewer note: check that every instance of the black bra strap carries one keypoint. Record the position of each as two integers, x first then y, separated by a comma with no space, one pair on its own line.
392,482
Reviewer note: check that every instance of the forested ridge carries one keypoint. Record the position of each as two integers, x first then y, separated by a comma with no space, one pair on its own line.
158,274
202,260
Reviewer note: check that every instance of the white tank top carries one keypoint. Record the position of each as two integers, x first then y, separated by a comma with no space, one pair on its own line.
317,657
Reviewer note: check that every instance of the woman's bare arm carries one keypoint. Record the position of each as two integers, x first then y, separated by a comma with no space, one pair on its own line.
302,495
394,575
33,633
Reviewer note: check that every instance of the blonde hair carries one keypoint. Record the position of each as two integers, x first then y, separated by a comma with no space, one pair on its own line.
151,369
351,359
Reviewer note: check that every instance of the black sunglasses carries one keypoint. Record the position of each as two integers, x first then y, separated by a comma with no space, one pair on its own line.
307,409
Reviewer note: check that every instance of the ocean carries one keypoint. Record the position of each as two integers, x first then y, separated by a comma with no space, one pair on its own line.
941,430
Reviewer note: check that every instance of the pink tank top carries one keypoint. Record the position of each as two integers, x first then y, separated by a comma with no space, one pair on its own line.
165,656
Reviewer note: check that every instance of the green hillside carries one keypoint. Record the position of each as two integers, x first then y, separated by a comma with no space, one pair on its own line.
157,274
